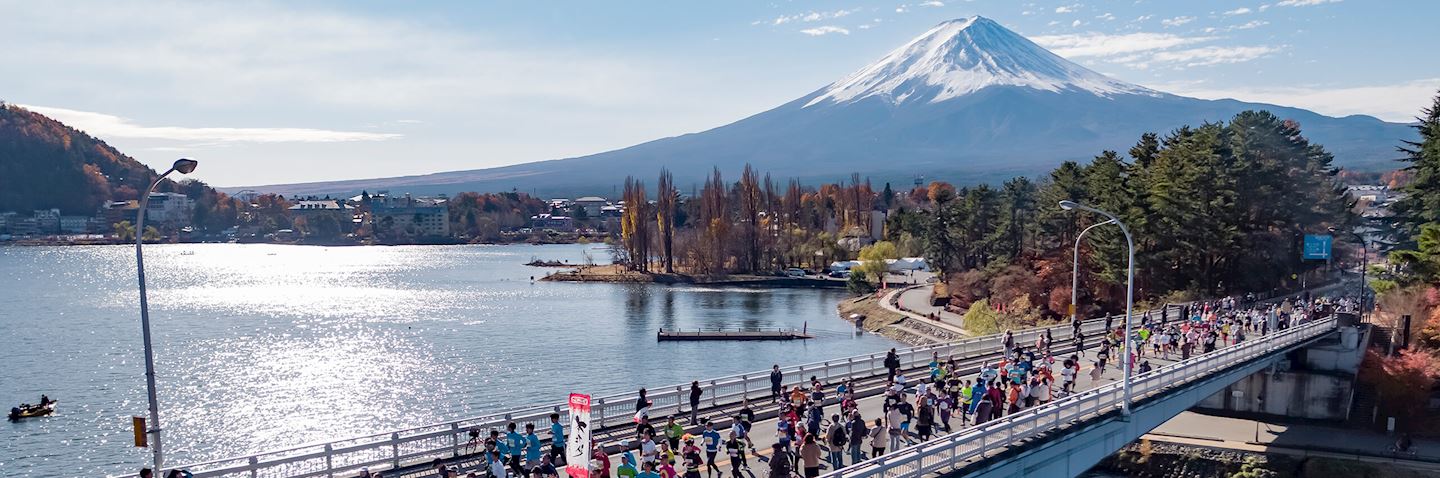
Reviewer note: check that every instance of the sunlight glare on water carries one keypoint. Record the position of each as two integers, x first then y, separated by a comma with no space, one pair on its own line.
260,347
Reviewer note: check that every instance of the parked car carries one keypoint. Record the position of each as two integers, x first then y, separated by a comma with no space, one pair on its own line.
796,272
840,274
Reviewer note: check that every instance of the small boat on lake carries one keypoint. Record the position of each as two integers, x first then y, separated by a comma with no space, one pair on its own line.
25,410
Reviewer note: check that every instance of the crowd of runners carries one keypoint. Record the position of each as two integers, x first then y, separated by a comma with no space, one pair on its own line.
820,426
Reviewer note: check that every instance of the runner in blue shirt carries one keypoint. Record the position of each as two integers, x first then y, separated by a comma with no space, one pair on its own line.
515,444
532,446
712,447
557,438
649,471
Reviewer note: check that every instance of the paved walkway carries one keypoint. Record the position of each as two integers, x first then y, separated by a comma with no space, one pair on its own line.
1271,435
915,303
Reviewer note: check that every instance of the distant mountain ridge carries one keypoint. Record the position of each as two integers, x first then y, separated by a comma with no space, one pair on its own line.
968,101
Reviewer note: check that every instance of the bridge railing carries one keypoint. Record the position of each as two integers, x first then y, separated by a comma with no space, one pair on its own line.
398,448
951,451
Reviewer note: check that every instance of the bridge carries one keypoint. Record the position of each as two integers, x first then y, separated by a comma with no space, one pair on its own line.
1069,436
1066,436
409,450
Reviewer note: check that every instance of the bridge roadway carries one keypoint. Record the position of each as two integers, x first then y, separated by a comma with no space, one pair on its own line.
409,452
870,401
1069,436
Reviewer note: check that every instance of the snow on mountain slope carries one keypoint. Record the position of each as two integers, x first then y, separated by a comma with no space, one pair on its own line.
962,56
968,101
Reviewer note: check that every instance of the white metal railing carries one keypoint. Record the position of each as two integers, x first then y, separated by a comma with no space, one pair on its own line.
410,446
950,451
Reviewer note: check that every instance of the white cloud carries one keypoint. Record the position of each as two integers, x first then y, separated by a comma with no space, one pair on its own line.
1028,12
1076,23
932,3
902,9
1212,55
1177,21
825,30
1107,16
864,27
1067,8
1143,50
108,126
217,56
811,16
1108,45
1142,18
1238,11
1053,23
1400,102
1304,3
1250,24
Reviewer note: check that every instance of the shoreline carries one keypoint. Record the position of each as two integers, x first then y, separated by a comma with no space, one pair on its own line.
321,243
617,274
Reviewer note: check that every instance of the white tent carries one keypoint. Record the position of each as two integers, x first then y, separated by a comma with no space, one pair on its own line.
906,264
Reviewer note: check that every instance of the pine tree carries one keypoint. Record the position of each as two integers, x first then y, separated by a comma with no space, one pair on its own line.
1107,184
1016,211
1421,203
1066,182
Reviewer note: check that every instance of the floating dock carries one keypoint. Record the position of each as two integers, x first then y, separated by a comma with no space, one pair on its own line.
733,334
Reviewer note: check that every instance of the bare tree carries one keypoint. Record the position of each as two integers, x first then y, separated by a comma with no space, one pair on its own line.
665,206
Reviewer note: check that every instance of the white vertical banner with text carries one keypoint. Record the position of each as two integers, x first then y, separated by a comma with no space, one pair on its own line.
577,451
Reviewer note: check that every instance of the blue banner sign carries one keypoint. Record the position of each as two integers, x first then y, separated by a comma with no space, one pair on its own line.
1317,246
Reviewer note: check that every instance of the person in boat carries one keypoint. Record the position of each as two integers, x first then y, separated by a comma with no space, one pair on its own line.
44,400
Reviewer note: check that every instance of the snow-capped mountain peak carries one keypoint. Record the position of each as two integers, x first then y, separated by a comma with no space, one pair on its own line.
962,56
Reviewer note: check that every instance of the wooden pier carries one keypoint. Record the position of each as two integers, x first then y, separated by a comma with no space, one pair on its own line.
733,334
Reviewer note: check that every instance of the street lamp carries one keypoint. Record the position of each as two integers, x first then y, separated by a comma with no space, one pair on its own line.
1129,293
1075,271
184,166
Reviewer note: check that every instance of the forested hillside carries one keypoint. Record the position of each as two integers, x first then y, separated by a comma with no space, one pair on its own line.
46,164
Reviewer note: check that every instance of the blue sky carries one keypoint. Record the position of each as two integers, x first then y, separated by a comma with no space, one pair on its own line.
272,92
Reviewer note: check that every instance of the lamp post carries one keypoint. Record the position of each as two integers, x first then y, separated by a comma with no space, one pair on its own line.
184,166
1075,270
1129,294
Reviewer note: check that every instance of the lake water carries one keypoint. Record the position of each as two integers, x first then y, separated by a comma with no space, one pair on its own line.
266,346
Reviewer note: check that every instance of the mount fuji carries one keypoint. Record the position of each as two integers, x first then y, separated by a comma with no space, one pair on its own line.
968,101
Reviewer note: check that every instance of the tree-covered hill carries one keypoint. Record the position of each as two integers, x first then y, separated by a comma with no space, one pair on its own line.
46,164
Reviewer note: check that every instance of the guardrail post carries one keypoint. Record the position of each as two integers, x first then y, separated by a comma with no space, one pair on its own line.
714,394
600,411
395,448
744,387
254,467
329,461
454,440
827,371
850,367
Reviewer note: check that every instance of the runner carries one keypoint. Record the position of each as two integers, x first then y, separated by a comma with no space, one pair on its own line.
711,440
557,439
515,443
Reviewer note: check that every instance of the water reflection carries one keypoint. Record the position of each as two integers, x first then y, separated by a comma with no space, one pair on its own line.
262,346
